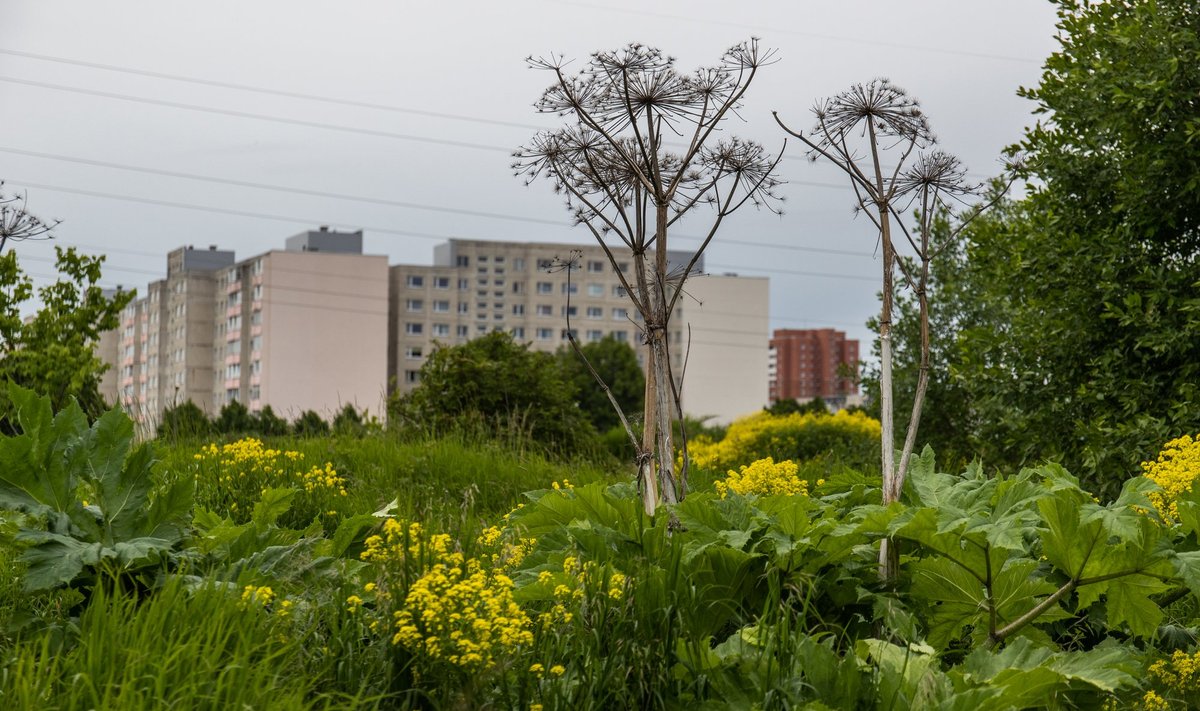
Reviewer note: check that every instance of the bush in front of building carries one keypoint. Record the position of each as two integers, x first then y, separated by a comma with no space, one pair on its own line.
851,439
496,387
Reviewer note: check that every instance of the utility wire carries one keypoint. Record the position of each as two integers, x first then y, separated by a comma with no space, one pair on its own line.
384,230
266,90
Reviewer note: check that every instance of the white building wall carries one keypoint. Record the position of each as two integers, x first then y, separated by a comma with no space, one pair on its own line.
727,366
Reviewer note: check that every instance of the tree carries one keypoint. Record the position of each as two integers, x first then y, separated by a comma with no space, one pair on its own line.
234,418
616,362
310,424
788,406
624,185
1077,332
348,421
184,421
501,387
269,424
53,351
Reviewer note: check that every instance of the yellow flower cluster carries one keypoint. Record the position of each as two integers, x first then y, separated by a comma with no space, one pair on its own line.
1153,702
1180,673
765,477
400,544
507,552
463,613
248,463
762,433
459,610
1175,470
256,596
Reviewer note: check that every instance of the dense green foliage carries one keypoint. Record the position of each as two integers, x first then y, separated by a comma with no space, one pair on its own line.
1067,325
615,362
1015,591
499,387
54,351
89,500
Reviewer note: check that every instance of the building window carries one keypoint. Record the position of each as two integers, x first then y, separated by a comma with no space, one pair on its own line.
441,329
621,336
595,267
463,307
414,329
518,264
568,333
595,335
518,332
461,331
623,266
545,334
481,258
462,260
412,376
620,314
257,267
464,284
619,291
545,263
412,352
414,305
441,282
518,287
545,310
415,281
441,306
518,309
596,290
571,288
255,367
545,287
569,310
595,312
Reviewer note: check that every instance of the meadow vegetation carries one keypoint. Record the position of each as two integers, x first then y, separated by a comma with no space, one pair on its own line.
374,571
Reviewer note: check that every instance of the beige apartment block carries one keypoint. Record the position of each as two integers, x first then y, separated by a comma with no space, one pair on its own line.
302,330
297,329
475,287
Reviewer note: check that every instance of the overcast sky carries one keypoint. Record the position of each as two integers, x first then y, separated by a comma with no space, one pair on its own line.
399,118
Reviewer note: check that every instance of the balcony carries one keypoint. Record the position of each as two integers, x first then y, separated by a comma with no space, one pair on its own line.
233,310
235,286
233,383
233,358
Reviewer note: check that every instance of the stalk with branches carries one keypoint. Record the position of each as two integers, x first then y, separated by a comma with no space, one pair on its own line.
878,135
17,224
623,184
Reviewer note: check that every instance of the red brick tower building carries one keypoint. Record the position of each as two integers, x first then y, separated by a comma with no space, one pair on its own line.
808,363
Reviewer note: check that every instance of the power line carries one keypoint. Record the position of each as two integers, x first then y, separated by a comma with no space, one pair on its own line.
251,115
281,188
384,230
313,124
266,90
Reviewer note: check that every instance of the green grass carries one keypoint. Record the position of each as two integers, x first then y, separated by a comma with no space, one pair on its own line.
176,649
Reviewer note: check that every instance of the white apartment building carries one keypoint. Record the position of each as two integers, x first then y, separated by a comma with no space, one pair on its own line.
297,329
474,287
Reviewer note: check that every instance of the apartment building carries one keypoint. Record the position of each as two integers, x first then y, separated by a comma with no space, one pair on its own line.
297,329
810,363
474,287
164,348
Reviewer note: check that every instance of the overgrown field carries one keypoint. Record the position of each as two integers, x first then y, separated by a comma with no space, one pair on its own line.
373,572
